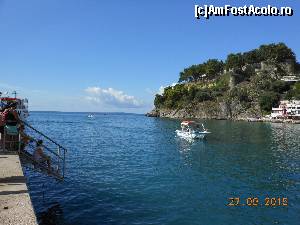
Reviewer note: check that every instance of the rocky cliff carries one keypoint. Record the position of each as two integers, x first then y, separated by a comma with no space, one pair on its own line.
246,86
211,110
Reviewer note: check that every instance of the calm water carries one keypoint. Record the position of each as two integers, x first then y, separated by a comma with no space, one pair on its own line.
130,169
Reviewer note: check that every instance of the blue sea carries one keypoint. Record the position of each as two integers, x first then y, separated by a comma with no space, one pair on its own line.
131,169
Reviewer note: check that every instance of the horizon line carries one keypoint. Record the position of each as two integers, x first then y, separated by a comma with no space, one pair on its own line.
82,112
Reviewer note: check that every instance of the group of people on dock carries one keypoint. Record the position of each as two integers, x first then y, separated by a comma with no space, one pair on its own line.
13,136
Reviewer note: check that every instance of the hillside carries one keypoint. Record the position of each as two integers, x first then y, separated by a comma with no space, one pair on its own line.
245,85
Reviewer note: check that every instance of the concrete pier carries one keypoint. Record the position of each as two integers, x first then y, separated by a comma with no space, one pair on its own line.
15,203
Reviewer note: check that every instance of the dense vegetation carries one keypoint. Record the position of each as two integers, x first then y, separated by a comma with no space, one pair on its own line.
210,81
210,69
274,53
182,94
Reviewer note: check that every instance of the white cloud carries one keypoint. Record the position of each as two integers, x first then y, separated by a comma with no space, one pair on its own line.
154,92
112,97
162,88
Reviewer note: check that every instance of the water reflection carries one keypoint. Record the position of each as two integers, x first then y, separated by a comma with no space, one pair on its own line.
285,135
286,153
185,143
52,216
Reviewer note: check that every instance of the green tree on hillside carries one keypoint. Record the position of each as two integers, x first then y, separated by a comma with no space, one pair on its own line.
192,73
280,86
294,92
158,101
234,61
213,67
251,57
267,100
276,52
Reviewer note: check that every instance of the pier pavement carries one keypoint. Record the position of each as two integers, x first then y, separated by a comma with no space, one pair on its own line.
15,203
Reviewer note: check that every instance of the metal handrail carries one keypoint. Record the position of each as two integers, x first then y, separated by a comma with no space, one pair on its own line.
42,166
60,156
48,138
48,149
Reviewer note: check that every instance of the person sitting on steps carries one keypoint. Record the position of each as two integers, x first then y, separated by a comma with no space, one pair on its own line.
25,139
40,156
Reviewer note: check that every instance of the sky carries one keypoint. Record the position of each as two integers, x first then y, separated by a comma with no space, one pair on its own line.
114,56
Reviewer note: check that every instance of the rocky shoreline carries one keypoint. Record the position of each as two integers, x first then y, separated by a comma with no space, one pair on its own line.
264,119
219,110
179,114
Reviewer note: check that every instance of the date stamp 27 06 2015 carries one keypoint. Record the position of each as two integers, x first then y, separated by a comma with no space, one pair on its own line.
256,202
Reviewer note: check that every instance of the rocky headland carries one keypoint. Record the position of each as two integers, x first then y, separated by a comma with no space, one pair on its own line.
247,85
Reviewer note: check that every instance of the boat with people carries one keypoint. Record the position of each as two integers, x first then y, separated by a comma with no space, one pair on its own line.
90,116
21,104
192,130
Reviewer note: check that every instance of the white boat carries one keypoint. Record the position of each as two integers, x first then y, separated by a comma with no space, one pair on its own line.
90,116
22,104
192,130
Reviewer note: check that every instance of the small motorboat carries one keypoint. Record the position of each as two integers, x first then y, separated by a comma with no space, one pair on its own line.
90,116
192,130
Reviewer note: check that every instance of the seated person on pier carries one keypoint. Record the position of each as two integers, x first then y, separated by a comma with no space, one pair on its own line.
40,156
25,139
9,121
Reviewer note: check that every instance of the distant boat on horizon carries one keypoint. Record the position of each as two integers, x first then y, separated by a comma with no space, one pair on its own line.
90,116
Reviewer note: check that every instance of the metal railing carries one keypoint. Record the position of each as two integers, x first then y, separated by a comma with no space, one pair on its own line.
55,151
24,142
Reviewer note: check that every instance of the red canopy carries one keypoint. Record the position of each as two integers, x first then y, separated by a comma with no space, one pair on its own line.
8,99
187,122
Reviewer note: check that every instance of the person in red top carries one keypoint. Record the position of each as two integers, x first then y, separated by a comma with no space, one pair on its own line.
10,115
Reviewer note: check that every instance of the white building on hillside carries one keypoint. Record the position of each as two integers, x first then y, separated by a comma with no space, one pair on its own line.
293,78
287,109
